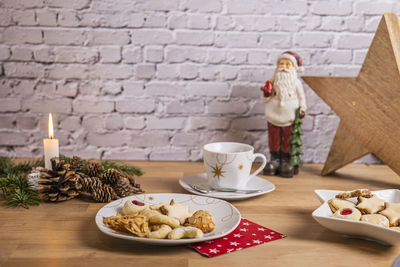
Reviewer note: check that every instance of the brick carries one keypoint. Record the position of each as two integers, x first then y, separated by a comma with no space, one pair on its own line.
246,90
167,71
20,53
64,37
256,23
186,107
235,57
5,17
374,7
258,57
75,55
253,123
130,154
24,18
144,71
332,8
333,57
359,56
258,74
229,73
93,106
215,56
151,37
198,22
7,122
112,88
159,5
209,123
313,39
131,54
93,123
236,40
43,54
275,40
108,37
354,41
90,88
175,54
230,107
203,6
70,71
355,23
71,123
177,20
23,70
194,37
251,7
290,7
110,54
9,105
135,105
155,138
225,23
62,106
333,24
185,139
14,138
115,139
153,53
47,18
165,123
109,71
47,89
155,20
135,123
210,73
69,89
163,89
257,109
189,71
21,4
73,4
15,35
133,88
169,155
114,122
207,89
17,87
67,18
372,24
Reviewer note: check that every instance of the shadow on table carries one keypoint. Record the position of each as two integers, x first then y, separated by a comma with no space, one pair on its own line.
321,234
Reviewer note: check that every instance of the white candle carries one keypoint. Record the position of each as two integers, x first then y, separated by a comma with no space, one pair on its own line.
50,146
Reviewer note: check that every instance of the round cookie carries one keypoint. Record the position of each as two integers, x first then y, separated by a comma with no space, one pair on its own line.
133,207
337,203
375,219
348,214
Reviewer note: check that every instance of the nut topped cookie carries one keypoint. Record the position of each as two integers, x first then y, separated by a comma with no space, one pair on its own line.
354,193
370,204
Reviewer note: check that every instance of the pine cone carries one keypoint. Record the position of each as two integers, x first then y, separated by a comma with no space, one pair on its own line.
89,183
104,193
76,164
134,184
111,176
59,185
124,188
94,169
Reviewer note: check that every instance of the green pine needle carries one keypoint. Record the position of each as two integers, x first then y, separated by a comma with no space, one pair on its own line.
125,169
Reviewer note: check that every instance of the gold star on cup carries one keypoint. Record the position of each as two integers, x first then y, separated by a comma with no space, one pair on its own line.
217,171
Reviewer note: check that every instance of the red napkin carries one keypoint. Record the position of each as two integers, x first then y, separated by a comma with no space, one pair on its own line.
247,234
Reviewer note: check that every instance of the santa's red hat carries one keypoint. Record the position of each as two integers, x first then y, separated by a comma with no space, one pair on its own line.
294,58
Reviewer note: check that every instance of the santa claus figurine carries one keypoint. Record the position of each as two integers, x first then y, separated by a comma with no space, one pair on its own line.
282,96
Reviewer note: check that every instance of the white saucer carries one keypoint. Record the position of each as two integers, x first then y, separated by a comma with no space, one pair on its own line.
200,179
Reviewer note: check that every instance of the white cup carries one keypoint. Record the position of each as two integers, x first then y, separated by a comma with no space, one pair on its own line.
228,164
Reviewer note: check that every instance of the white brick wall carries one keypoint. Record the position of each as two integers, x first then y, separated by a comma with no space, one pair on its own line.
155,80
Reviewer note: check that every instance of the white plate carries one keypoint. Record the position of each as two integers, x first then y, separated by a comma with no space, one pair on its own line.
323,215
257,183
226,216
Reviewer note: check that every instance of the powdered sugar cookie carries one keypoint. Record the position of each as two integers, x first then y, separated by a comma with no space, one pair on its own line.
337,203
370,204
377,219
348,214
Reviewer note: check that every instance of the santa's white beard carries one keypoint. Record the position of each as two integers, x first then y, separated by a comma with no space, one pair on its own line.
284,82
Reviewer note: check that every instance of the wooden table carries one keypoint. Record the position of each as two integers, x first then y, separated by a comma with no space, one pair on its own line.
65,234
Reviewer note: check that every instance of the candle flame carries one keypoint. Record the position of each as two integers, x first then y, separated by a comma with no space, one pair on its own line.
51,130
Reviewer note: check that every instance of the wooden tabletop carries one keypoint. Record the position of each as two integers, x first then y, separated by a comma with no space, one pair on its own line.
65,234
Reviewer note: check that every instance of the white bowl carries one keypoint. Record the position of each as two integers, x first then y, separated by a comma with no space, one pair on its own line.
323,215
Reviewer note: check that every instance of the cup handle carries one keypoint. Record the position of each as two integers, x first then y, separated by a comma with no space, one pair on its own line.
262,165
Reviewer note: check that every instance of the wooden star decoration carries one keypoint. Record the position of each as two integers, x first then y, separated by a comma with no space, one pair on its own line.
217,171
369,104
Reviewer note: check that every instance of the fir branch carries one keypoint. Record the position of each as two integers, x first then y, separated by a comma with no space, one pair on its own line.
7,166
17,192
124,169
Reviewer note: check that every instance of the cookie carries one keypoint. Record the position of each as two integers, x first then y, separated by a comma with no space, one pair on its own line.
203,220
370,204
354,193
348,214
395,228
185,232
149,213
161,233
392,212
176,210
337,203
133,207
377,219
164,219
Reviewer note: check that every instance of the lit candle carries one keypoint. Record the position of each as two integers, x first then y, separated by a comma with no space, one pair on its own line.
50,146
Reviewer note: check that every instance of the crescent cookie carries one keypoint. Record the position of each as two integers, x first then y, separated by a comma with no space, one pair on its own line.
149,213
375,219
133,207
337,203
164,219
392,212
185,232
348,214
354,193
161,233
370,204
